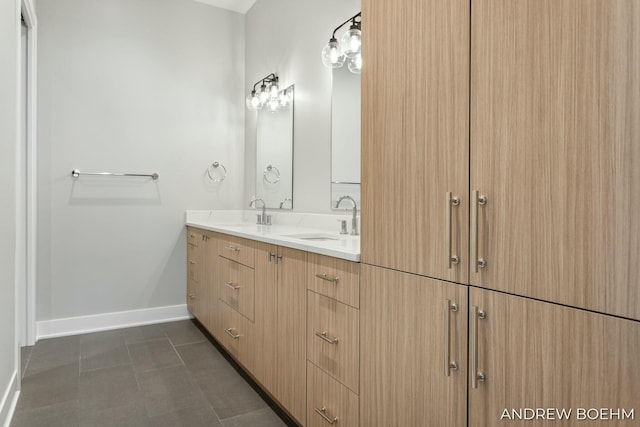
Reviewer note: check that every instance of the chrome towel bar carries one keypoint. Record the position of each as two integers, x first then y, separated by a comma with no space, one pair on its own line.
76,173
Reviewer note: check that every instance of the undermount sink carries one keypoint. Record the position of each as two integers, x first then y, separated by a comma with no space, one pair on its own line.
314,237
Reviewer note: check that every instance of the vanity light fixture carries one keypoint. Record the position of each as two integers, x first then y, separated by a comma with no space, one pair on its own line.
268,95
335,54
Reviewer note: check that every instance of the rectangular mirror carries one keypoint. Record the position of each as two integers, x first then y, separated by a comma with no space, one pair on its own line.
274,155
345,135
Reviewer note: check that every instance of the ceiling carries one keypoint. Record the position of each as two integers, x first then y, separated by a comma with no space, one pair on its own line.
241,6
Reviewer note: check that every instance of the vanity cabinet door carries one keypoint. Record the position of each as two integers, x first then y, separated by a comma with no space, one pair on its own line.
409,336
415,136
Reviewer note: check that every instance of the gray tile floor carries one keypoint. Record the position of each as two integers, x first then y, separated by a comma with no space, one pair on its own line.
159,375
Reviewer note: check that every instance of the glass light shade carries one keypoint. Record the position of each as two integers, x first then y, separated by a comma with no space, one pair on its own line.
273,90
273,105
351,42
264,94
331,56
253,103
355,64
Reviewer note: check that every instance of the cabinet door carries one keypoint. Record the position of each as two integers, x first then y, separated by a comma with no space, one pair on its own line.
540,355
415,135
404,328
555,149
211,264
291,331
265,326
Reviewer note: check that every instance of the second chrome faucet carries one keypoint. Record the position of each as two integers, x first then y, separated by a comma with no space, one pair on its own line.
354,218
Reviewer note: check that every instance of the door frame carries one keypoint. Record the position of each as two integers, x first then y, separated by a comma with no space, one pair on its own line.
26,311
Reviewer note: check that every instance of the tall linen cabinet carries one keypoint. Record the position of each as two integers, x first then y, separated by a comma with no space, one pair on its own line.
500,191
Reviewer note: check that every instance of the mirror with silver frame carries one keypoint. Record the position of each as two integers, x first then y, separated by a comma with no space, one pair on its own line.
274,155
345,136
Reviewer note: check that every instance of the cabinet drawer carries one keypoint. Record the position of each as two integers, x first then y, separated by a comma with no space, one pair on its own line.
191,295
335,278
238,249
333,338
236,286
193,237
328,398
235,332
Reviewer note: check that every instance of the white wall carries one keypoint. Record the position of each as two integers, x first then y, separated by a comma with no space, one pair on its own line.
286,37
9,45
131,86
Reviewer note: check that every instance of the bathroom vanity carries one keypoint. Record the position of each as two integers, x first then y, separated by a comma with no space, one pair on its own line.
283,300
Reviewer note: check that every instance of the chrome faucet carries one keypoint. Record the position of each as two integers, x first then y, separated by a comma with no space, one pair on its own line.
286,199
262,219
354,218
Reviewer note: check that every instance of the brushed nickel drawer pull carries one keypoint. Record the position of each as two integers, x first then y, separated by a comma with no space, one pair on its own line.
229,332
475,374
230,285
232,248
191,262
324,276
192,296
450,201
322,411
193,236
476,262
448,364
323,336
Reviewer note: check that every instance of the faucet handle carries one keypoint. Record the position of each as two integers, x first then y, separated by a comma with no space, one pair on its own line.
343,226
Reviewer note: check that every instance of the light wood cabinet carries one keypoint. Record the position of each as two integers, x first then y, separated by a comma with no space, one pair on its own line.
236,286
409,334
415,136
237,336
555,125
333,338
540,355
335,278
197,274
329,401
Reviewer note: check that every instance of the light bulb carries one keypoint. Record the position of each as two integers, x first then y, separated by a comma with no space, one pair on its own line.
355,64
331,56
351,42
252,101
264,94
273,90
273,105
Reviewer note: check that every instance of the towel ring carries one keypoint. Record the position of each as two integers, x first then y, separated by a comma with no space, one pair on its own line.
216,165
271,170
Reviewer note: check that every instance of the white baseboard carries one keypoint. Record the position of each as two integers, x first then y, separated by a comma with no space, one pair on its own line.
9,401
107,321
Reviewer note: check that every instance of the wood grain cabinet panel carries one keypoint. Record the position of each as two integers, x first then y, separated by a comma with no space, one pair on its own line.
555,131
236,287
329,401
239,249
333,338
541,355
403,324
335,278
415,136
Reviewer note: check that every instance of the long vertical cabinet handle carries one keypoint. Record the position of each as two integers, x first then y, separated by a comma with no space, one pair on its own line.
473,369
448,363
450,201
473,250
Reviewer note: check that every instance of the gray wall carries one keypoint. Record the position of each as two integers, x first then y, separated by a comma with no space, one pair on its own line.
131,86
9,43
286,37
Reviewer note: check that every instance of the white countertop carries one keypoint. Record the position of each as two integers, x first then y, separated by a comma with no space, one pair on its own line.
287,231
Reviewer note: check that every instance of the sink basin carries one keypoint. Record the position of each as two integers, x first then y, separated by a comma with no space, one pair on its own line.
314,237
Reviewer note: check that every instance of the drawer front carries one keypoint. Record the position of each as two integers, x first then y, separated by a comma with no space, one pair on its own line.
238,249
191,296
327,400
235,332
333,338
335,278
193,236
236,286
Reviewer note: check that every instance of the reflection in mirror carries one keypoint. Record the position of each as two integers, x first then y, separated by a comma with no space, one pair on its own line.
345,135
274,155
